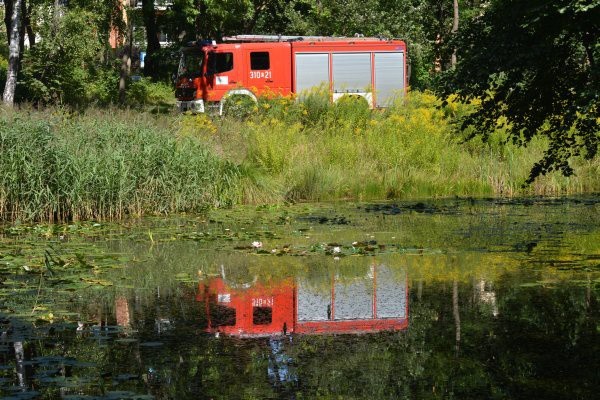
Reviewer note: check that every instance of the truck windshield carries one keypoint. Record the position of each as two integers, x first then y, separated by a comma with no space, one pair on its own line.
191,63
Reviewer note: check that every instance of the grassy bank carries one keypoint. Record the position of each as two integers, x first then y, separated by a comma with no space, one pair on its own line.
317,151
109,164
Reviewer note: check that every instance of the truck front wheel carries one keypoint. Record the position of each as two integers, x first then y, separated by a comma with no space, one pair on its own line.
239,106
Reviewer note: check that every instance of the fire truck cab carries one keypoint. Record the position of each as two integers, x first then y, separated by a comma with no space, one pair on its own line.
255,65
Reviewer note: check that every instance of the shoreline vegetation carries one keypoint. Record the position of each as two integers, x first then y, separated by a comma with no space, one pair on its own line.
107,164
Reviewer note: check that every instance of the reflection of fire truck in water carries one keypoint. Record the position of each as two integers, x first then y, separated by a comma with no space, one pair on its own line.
374,303
252,65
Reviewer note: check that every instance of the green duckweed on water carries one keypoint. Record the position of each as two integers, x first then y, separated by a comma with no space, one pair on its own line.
117,310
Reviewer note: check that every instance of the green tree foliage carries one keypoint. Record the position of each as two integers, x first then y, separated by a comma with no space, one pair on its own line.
108,13
194,19
65,67
67,51
534,67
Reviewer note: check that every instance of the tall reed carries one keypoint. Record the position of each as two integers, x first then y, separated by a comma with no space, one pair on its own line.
56,166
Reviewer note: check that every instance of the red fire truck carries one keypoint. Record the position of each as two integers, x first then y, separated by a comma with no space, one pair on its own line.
376,302
252,65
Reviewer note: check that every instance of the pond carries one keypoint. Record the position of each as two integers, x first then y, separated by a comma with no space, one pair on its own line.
460,298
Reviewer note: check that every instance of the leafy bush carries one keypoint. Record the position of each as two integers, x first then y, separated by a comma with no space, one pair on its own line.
144,92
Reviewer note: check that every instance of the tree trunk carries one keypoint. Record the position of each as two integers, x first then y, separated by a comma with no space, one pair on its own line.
19,359
22,29
151,66
588,44
126,63
122,312
58,9
456,313
454,31
439,36
200,24
28,27
13,54
8,9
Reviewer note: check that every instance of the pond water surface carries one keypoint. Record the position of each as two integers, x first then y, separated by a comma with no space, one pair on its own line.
466,299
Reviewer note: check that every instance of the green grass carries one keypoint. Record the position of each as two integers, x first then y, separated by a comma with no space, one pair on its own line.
107,164
314,151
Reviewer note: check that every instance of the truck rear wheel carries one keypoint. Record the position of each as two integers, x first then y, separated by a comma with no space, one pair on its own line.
353,100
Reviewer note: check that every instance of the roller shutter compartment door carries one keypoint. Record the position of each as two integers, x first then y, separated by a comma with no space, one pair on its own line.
391,293
389,77
312,71
313,304
351,72
353,300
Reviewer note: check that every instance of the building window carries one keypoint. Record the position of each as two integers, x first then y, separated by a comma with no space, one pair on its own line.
259,60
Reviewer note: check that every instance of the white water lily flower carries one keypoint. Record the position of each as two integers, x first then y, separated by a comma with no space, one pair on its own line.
337,249
336,258
257,244
274,251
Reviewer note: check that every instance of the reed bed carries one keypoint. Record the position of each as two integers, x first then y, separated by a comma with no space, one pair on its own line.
58,167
